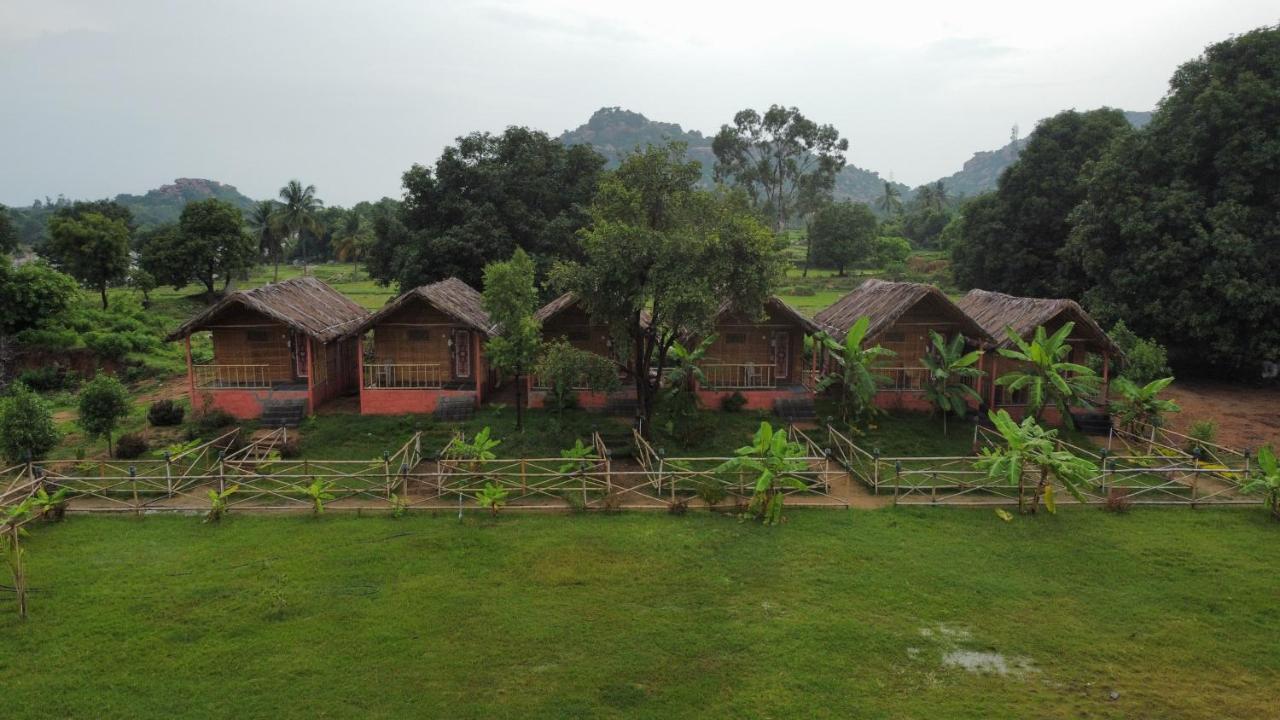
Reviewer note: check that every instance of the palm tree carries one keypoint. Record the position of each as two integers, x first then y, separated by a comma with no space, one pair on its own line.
351,238
1028,444
264,221
949,367
1045,374
891,201
299,213
857,376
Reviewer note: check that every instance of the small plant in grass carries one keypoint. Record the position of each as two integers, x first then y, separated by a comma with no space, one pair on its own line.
398,506
1265,478
177,449
1027,444
577,457
318,492
776,462
711,491
478,449
857,373
1201,435
949,368
11,532
49,507
1141,404
218,503
493,496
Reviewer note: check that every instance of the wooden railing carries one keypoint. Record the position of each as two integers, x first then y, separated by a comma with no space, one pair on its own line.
403,375
232,376
738,376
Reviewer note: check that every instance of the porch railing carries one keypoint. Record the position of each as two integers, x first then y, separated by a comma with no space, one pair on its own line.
403,375
739,376
232,376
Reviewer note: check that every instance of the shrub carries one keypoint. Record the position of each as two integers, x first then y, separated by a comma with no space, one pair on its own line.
108,345
26,425
733,403
131,445
711,492
1202,432
1144,360
165,413
290,449
210,422
48,378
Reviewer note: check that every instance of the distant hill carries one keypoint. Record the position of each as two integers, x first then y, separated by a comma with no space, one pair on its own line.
156,207
981,171
614,132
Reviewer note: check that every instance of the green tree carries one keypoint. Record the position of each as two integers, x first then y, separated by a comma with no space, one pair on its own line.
857,374
1011,245
299,214
352,237
103,402
93,249
781,158
564,367
890,202
1266,479
32,295
8,232
842,234
1136,405
950,370
26,425
1045,375
1026,444
1177,232
661,257
511,299
268,231
486,196
215,244
1144,359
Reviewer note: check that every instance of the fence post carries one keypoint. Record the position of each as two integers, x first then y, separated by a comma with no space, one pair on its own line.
897,480
404,478
524,482
875,471
133,480
168,474
386,471
222,479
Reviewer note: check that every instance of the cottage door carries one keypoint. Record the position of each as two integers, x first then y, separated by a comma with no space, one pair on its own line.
300,365
781,354
462,353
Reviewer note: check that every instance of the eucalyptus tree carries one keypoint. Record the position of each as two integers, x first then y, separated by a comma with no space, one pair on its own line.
1045,375
781,158
299,214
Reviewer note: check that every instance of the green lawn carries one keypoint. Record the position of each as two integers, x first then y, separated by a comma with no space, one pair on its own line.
835,614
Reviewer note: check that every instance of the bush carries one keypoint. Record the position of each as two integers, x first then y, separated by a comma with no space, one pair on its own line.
49,378
290,449
107,345
1201,433
208,424
733,403
131,445
1144,360
165,413
26,425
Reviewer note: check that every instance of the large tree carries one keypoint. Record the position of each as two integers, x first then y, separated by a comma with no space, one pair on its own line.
842,234
781,158
1010,242
91,248
661,257
1179,231
267,230
209,244
486,196
511,299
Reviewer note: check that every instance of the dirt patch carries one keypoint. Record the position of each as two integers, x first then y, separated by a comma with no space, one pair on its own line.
1247,417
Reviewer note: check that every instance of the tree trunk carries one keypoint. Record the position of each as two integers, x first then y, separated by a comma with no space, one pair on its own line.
1035,497
519,405
111,453
808,254
103,289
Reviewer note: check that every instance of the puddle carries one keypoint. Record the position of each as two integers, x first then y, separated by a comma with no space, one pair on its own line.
952,641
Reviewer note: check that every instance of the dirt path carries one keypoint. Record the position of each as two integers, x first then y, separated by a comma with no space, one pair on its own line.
1247,417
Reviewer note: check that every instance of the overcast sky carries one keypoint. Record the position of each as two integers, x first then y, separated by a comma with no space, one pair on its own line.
105,97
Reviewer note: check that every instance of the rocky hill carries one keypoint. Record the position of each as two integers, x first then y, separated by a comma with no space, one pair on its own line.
164,204
615,131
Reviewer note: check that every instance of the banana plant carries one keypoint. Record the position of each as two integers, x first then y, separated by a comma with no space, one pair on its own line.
492,496
479,448
776,463
856,377
49,507
576,457
319,493
684,377
1027,444
1266,479
218,503
1141,404
1046,376
949,367
11,530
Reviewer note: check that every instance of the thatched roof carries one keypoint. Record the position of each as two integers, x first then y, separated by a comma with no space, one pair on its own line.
566,301
304,304
997,311
450,296
883,302
777,304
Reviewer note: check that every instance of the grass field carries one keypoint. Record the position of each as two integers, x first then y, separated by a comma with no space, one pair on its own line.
1168,614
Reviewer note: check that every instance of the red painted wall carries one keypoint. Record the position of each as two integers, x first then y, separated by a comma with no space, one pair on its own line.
586,400
386,401
756,399
243,404
902,401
